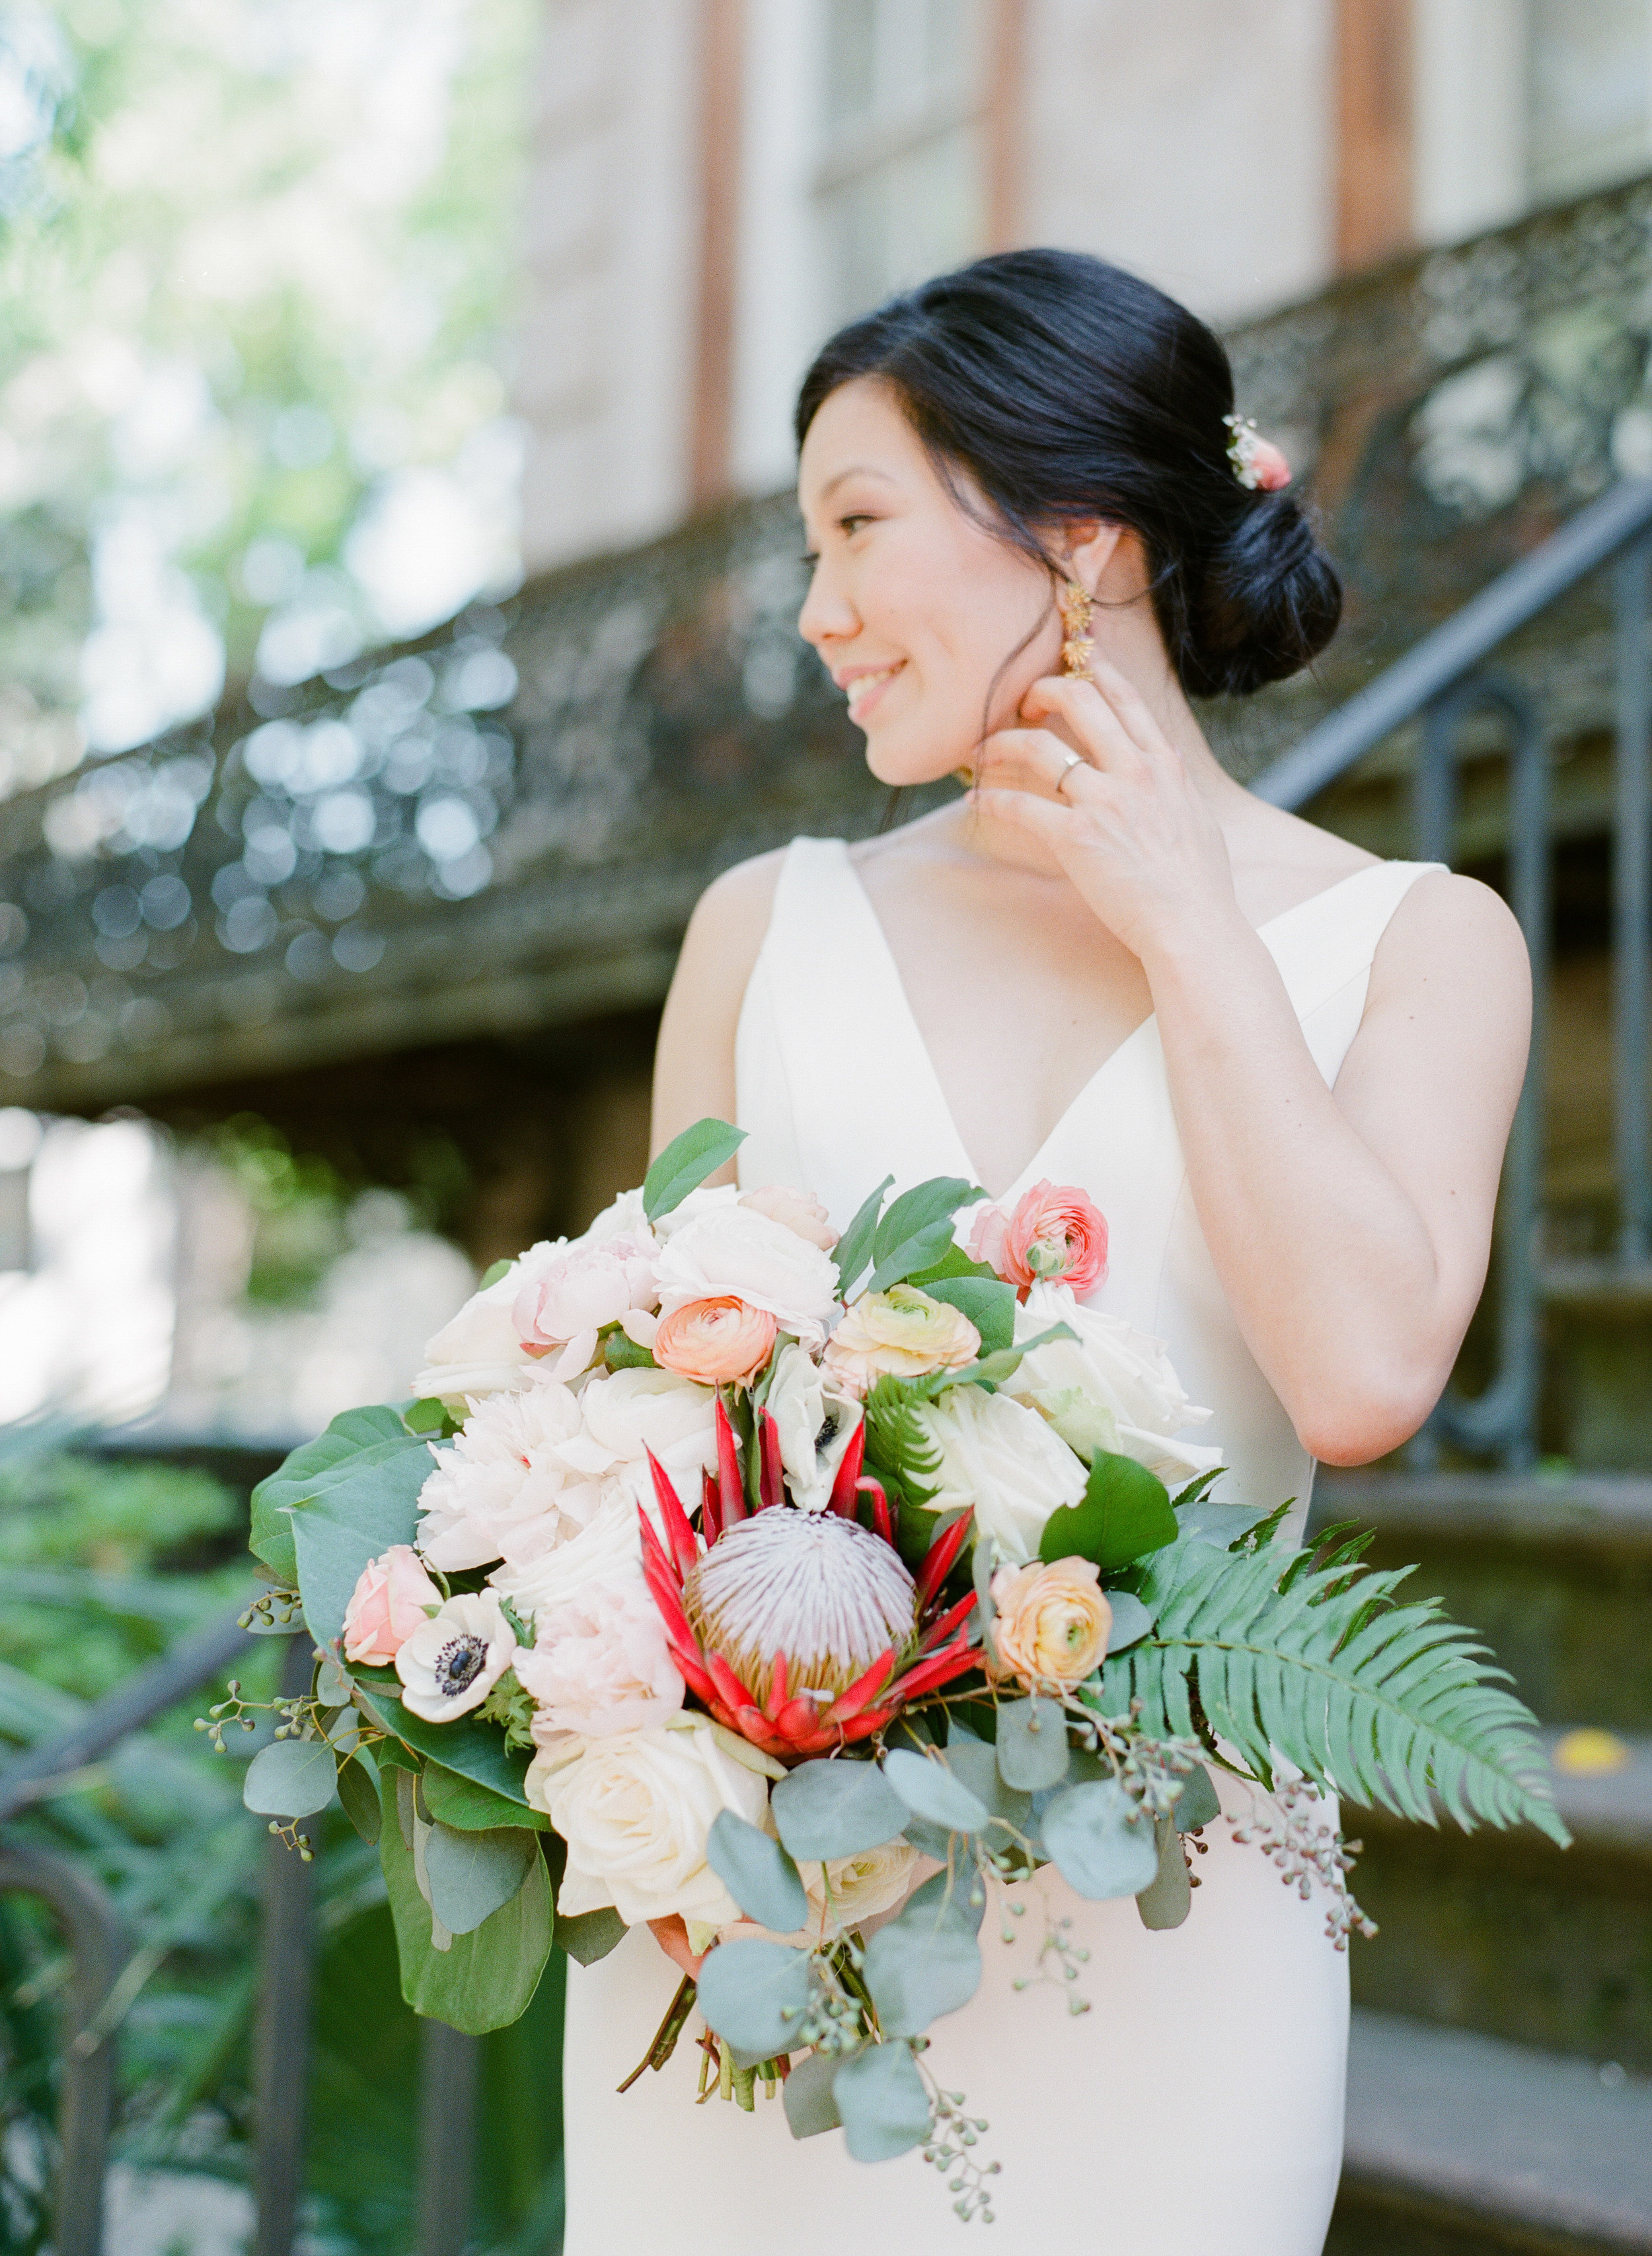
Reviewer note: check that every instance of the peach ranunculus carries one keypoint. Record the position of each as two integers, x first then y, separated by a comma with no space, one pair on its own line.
902,1331
715,1341
1053,1622
798,1210
1054,1231
392,1597
583,1289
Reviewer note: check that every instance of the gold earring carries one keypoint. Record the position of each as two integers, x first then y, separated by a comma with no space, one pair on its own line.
1076,644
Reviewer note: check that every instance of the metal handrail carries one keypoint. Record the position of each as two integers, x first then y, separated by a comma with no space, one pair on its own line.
1444,680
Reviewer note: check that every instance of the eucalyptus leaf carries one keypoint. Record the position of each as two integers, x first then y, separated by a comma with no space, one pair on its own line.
373,1503
853,1249
956,1897
1167,1900
1131,1619
988,1303
835,1809
1198,1802
976,1764
919,1968
1124,1512
810,2107
753,1993
1100,1841
471,1875
290,1779
358,1793
484,1980
930,1790
588,1935
1032,1744
757,1873
882,2101
355,1444
686,1162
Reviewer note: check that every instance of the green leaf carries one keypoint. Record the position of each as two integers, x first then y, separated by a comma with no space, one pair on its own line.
955,1262
351,1444
428,1416
474,1750
757,1873
1198,1803
1124,1512
835,1809
492,1273
917,1230
989,1305
484,1980
924,1964
686,1162
899,1450
1131,1619
358,1792
882,2101
807,2098
1032,1744
1223,1525
471,1875
753,1993
1381,1702
929,1789
853,1249
1168,1897
621,1352
588,1935
291,1778
975,1762
1100,1840
471,1806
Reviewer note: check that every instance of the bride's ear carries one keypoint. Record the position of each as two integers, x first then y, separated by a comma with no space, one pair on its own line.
1094,550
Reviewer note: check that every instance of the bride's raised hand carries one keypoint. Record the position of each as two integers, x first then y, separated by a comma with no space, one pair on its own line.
1123,820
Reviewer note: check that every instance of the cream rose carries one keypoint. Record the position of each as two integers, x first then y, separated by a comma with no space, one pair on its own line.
1000,1457
903,1332
733,1251
1111,1387
451,1663
1053,1622
600,1664
636,1810
798,1210
816,1419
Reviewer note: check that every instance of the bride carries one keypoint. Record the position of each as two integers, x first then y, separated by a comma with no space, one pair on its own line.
1283,1070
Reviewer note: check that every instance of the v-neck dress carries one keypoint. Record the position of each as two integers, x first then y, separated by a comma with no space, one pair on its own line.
1196,2109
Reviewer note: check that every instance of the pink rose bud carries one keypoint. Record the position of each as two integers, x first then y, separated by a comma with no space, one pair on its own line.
795,1210
714,1342
583,1290
1055,1232
392,1597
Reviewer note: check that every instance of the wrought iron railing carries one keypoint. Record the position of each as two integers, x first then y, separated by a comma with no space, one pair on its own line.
1445,683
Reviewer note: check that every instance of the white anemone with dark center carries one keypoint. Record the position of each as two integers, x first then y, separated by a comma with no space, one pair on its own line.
459,1663
809,1584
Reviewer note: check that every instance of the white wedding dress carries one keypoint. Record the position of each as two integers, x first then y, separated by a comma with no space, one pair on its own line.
1197,2108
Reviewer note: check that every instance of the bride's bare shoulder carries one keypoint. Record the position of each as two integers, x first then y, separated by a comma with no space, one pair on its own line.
732,915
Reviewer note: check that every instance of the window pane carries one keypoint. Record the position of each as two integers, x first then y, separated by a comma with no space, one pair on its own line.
903,220
851,60
1591,75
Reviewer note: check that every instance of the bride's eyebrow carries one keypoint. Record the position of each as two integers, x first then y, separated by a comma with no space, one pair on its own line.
854,470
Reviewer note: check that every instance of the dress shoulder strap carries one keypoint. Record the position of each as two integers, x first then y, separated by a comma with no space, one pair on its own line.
1328,941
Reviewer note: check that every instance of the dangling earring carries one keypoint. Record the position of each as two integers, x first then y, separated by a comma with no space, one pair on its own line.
1076,645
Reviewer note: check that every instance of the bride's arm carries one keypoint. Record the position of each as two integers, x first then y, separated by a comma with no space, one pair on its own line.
1350,1228
694,1061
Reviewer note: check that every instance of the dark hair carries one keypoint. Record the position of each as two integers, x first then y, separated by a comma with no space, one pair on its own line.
1068,389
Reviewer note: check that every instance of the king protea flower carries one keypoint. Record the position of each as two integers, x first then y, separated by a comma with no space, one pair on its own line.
801,1630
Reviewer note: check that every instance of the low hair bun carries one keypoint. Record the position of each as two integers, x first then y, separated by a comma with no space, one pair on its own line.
1266,603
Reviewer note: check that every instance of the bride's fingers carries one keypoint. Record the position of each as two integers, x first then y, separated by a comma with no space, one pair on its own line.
1046,821
1016,758
1091,710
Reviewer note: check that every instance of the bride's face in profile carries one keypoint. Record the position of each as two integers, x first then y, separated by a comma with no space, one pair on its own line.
914,606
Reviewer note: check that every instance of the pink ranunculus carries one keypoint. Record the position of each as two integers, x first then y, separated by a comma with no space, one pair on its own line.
392,1597
715,1341
583,1290
1054,1233
797,1210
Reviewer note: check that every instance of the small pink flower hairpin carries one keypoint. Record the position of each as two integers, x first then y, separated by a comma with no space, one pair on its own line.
1257,463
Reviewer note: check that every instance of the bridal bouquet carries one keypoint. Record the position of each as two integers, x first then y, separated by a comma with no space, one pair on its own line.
817,1591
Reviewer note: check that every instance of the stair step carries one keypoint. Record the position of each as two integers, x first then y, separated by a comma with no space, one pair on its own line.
1592,1510
1457,2141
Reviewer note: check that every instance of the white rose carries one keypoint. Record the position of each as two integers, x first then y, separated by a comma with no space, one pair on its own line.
804,1406
625,1218
476,1351
1001,1457
538,1582
600,1664
846,1890
636,1810
452,1664
1111,1388
735,1251
501,1479
697,1203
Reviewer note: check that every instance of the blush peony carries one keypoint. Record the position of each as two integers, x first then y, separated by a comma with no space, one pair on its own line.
796,1210
583,1289
600,1664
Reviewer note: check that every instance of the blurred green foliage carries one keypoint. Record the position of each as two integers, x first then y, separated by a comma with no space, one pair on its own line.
105,1564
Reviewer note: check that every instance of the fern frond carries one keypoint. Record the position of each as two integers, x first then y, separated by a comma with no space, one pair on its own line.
897,1449
1377,1699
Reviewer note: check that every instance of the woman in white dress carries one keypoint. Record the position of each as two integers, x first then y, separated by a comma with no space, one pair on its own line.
1284,1070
